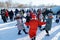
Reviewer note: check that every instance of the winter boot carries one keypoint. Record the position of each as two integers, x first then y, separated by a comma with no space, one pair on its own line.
47,35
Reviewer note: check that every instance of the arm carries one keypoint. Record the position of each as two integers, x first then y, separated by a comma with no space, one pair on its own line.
27,24
41,23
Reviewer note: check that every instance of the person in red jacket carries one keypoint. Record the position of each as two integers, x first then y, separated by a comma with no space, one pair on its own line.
6,14
33,24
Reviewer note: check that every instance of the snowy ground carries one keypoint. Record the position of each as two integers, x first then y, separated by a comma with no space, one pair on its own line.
8,31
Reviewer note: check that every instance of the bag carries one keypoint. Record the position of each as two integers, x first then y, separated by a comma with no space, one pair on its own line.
57,21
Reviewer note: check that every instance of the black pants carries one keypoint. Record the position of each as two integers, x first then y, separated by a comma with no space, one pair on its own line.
19,32
11,18
46,31
24,31
33,38
4,19
44,18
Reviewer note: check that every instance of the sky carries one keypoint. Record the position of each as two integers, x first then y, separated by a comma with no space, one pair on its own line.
36,2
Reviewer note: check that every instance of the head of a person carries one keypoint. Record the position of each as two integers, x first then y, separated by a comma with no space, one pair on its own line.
33,17
39,11
44,9
50,15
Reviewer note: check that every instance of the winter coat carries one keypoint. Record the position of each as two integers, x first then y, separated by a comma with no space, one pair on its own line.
6,13
33,24
3,15
48,23
16,11
20,24
11,14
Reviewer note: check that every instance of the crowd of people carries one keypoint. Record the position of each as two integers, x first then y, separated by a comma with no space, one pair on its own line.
5,14
34,20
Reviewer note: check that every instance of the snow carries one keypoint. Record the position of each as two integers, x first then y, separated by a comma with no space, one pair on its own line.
8,31
56,37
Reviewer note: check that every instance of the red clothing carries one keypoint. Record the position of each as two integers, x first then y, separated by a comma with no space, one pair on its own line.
33,24
6,14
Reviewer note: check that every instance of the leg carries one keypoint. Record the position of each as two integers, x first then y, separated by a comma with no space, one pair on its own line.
5,20
19,32
11,19
42,29
25,31
34,38
47,33
44,19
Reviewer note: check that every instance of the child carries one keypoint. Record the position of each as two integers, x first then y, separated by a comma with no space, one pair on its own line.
48,24
33,24
20,24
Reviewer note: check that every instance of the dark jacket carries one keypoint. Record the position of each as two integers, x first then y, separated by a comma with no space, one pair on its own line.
28,18
16,11
11,13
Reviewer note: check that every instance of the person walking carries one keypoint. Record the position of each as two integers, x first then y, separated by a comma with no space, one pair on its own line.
48,23
20,24
33,24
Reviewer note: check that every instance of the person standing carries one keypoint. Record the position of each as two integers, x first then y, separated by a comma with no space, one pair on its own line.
6,14
16,11
3,15
11,15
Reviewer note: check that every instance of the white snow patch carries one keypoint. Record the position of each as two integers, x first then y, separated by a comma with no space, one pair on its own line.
7,28
7,23
43,33
56,37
